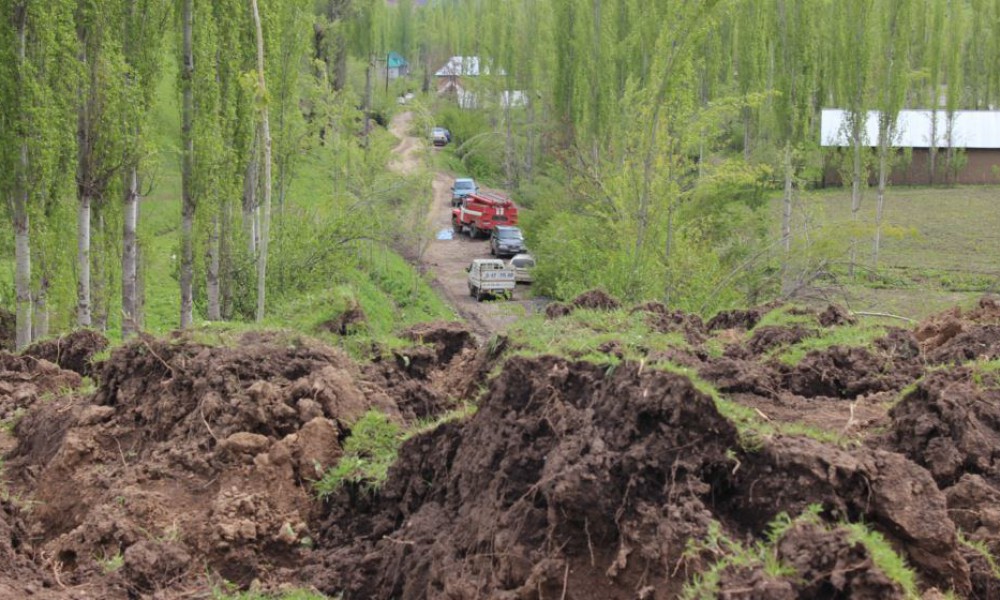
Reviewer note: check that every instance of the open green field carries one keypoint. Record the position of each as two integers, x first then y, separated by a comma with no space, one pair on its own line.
941,246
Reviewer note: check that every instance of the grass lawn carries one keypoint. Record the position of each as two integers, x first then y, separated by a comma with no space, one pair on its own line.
941,246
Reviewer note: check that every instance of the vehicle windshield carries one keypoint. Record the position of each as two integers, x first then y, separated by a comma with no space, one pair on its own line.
523,263
464,185
509,234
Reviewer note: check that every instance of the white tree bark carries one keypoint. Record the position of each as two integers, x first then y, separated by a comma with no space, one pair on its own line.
265,134
212,273
83,312
22,223
187,167
130,317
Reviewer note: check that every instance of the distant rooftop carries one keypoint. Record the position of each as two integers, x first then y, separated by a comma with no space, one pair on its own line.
468,66
973,129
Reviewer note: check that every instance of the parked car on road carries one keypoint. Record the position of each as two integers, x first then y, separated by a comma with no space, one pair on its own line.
506,241
462,188
440,136
490,277
522,265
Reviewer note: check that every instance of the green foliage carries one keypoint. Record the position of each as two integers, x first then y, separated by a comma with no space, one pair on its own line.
885,557
369,451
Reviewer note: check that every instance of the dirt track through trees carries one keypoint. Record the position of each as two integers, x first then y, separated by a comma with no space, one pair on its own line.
445,259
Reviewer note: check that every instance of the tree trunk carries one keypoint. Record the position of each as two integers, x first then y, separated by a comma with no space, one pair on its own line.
21,221
22,260
265,133
786,216
857,127
932,150
883,175
41,309
250,183
368,97
187,168
130,324
101,280
83,307
212,273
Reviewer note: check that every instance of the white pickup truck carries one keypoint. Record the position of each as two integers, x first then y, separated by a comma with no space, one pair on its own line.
490,277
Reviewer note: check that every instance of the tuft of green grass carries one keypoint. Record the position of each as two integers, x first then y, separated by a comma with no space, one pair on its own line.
785,316
369,451
862,334
983,550
110,564
885,557
581,334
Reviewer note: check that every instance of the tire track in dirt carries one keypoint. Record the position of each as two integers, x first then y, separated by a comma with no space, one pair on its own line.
445,259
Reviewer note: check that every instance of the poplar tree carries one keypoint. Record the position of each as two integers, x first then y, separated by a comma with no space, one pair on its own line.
36,90
891,75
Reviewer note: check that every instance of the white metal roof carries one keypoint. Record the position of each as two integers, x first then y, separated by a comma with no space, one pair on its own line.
970,129
468,66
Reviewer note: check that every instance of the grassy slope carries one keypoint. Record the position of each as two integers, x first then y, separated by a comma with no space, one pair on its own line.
942,245
389,290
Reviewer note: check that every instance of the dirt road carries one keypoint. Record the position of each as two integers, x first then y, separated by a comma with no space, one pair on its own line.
447,254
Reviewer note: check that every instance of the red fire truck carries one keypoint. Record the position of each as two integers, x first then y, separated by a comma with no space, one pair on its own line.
481,211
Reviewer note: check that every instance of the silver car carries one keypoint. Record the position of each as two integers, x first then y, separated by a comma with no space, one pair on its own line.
522,264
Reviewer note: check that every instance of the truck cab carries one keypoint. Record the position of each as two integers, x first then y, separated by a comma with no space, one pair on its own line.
463,187
490,277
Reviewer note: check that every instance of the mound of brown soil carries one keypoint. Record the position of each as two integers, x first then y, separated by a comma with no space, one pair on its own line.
835,316
950,425
347,322
562,469
593,300
826,564
210,448
447,339
72,351
24,380
596,300
18,573
767,338
738,376
970,342
663,320
881,488
891,364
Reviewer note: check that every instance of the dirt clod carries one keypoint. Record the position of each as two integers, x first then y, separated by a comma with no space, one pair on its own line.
72,351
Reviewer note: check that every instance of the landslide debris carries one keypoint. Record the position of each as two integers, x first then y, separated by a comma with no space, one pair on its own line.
573,479
189,455
72,351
